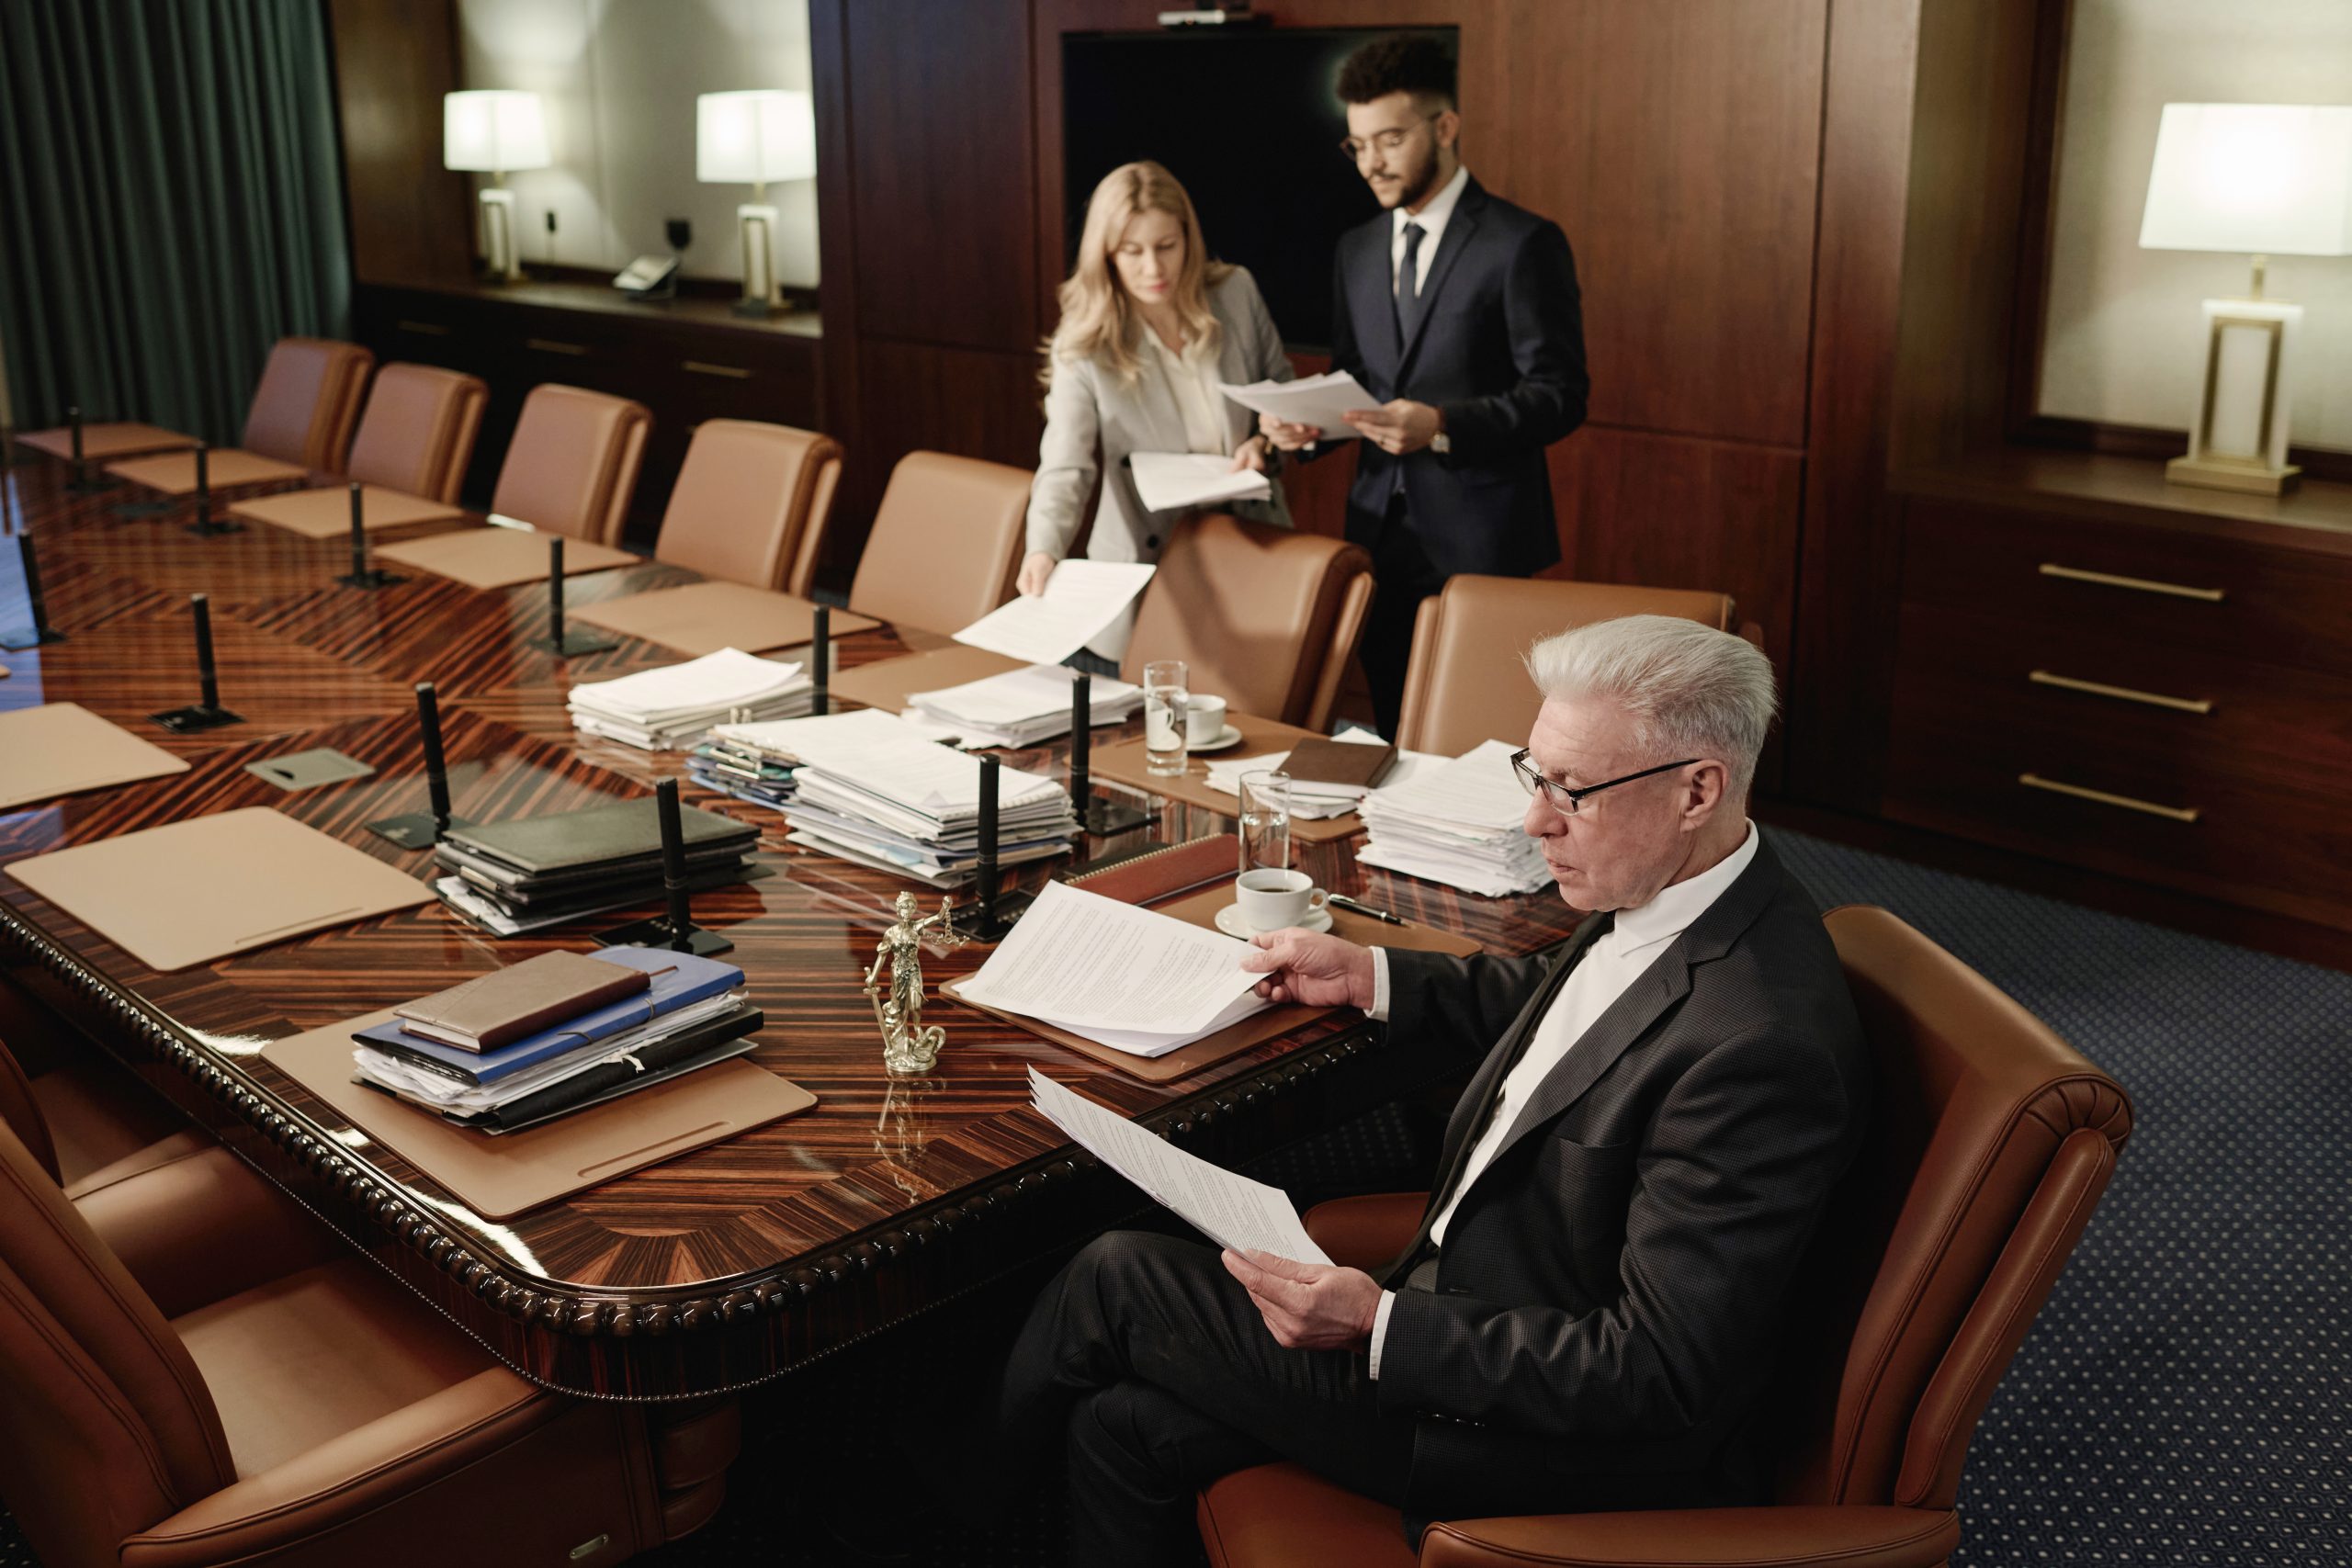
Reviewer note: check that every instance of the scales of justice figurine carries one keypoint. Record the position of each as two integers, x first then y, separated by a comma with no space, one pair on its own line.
909,1050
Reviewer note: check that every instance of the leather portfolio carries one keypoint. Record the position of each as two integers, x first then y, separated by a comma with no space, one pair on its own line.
1323,760
102,441
703,617
507,1004
887,684
1162,870
500,1176
190,892
1122,761
62,747
611,839
499,557
326,513
174,473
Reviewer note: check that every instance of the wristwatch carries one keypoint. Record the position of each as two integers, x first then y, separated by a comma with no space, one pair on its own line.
1441,443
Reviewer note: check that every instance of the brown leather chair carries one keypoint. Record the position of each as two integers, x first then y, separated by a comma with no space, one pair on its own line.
1463,684
1265,618
750,503
1990,1143
416,435
308,402
571,466
191,1373
87,1121
945,545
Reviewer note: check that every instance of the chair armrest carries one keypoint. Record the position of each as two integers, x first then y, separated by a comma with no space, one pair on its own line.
195,1224
1366,1231
1701,1537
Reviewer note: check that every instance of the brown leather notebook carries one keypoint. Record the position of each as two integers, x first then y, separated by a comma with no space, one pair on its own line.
505,1004
1325,761
1162,871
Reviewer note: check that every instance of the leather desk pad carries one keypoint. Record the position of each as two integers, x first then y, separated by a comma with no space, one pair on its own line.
887,684
1123,762
326,514
174,473
703,617
499,557
102,441
63,747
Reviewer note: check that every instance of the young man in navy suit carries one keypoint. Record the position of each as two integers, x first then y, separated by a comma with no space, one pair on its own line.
1459,312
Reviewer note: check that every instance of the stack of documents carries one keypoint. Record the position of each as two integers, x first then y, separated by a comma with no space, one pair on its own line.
1081,600
1319,401
870,787
678,1013
1131,979
1458,823
510,877
671,708
1312,800
1166,481
1022,707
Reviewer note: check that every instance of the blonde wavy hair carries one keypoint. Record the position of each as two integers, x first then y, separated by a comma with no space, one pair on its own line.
1099,319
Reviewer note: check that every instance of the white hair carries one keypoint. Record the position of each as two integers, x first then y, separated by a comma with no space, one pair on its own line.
1690,690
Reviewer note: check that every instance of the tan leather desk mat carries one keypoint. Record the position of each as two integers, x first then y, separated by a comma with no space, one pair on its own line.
103,441
174,473
887,684
1123,762
501,1177
1201,909
190,892
703,617
499,557
326,514
62,747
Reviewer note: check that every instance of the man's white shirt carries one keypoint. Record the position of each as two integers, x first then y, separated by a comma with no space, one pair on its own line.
1432,219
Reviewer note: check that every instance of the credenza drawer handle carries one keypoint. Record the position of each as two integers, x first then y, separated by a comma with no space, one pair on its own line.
2137,584
427,329
554,345
703,367
2174,813
2100,689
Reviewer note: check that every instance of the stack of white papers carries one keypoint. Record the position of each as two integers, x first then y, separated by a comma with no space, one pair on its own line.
1459,824
1167,481
671,708
1081,599
1315,800
868,787
1141,981
1319,401
1021,708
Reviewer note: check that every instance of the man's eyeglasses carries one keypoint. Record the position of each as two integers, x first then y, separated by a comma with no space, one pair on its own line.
1386,140
1563,798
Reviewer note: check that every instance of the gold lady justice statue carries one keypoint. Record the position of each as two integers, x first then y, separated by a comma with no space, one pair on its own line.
908,1048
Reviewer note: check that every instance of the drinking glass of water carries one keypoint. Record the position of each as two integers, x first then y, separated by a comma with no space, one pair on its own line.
1164,701
1265,821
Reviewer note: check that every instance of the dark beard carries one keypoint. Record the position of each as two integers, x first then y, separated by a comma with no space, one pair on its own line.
1419,187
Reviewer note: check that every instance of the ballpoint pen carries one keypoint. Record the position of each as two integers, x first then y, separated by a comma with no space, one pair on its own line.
1344,902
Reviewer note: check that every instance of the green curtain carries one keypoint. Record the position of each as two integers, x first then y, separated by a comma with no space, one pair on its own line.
171,204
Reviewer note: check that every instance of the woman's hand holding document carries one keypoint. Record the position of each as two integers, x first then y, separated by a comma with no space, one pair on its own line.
1166,481
1081,599
1320,400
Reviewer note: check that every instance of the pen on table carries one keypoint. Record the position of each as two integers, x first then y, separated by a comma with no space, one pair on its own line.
1344,902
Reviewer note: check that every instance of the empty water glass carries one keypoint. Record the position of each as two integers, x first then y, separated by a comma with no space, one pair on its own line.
1164,701
1265,821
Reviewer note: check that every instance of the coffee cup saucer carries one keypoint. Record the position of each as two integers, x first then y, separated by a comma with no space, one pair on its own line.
1230,736
1229,921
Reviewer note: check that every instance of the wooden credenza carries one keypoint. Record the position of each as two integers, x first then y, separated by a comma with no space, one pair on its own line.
2101,669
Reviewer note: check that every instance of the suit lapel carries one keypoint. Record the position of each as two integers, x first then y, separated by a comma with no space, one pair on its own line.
1450,246
1372,301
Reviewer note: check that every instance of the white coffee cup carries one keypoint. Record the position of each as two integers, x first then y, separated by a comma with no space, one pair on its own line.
1272,899
1204,719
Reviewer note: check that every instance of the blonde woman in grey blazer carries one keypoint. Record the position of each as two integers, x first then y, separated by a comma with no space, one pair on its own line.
1149,326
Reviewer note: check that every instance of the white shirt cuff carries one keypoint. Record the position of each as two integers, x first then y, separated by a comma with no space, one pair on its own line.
1378,1012
1380,1328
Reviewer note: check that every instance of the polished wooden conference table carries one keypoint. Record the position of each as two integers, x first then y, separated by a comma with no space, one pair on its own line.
711,1271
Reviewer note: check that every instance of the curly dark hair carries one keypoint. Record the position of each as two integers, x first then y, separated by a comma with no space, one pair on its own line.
1398,63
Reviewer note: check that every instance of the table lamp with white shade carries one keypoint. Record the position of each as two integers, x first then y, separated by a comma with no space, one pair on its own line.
2263,179
752,137
496,133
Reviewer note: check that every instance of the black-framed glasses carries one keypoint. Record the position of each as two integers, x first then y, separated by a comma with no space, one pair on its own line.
1386,140
1566,798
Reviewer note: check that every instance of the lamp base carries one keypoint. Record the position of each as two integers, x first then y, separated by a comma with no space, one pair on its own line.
2249,478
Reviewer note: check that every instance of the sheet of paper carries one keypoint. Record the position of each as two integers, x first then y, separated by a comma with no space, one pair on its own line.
1083,961
1229,1209
1167,481
716,680
1319,401
1081,599
880,753
1037,692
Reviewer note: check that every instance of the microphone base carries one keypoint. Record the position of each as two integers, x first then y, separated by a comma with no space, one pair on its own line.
141,508
1102,818
414,830
573,644
657,933
188,720
371,577
36,637
205,527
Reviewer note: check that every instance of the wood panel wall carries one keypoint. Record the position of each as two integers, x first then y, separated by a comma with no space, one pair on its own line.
411,219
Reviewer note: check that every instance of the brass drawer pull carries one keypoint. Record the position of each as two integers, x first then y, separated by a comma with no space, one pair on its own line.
2174,813
703,367
427,329
2099,689
2139,584
554,345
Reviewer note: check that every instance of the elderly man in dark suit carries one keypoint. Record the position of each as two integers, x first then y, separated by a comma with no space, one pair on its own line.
1461,312
1661,1106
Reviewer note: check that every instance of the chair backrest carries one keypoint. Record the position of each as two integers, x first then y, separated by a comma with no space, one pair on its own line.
571,466
742,507
1265,618
417,432
1990,1142
1464,685
308,402
946,542
20,1113
106,1424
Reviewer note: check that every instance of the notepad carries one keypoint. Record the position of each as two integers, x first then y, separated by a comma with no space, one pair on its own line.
174,473
63,747
103,441
326,513
499,557
703,617
190,892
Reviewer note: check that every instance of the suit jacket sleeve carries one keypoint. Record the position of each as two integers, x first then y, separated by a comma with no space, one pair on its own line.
1544,314
1065,459
1269,362
1728,1186
1461,1001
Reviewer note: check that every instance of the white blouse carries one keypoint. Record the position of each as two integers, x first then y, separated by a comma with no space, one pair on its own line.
1192,380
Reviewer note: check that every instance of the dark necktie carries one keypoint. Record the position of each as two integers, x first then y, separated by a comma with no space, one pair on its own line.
1408,286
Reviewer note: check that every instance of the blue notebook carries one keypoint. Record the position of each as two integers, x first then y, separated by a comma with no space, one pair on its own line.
678,980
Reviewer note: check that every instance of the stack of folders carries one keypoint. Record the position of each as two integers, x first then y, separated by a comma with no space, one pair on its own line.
736,768
1459,824
1314,799
868,787
557,1033
509,877
1021,708
671,708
